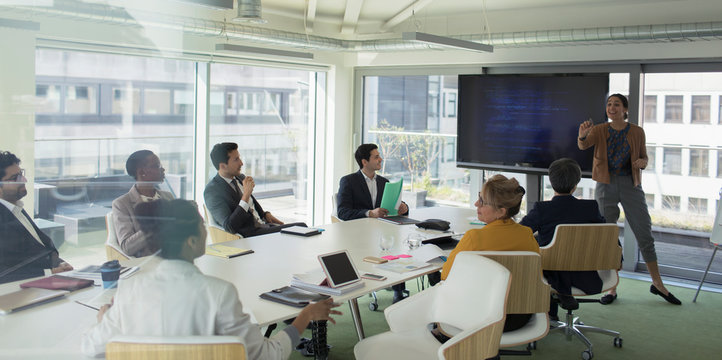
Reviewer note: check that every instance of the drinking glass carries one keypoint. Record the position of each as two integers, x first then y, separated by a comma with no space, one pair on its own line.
386,242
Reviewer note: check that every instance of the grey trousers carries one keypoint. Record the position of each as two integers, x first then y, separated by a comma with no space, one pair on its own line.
622,189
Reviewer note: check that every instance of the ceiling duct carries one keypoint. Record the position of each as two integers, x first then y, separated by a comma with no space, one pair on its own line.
249,11
702,31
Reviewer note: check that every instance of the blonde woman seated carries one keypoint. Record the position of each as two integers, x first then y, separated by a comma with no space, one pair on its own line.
176,299
499,200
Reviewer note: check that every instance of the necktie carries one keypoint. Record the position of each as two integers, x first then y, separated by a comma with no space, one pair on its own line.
234,182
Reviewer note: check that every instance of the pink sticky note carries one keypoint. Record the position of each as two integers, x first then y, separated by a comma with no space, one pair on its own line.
390,257
403,256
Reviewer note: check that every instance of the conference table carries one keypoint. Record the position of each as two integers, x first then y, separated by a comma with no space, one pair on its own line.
54,329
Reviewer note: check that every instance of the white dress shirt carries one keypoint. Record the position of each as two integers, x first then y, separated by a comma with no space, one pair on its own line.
176,299
373,190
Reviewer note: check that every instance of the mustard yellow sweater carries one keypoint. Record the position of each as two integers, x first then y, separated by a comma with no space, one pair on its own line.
499,235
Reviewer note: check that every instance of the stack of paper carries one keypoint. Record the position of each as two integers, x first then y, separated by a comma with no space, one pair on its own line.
315,281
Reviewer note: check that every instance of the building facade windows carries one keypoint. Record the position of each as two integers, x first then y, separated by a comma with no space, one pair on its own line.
672,161
673,109
650,108
700,109
698,162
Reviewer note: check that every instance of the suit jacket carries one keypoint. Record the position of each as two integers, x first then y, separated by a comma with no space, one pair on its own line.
130,238
222,202
18,245
565,209
354,198
561,209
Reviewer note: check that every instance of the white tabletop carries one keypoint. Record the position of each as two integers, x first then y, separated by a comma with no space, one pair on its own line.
55,328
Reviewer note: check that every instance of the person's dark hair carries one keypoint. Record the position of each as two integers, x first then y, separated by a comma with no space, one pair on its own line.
364,153
219,154
564,174
135,161
7,159
501,192
623,99
168,223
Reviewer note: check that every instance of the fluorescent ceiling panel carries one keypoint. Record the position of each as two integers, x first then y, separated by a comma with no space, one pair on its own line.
264,51
446,41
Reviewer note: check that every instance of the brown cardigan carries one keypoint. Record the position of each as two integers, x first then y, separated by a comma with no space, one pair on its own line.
598,138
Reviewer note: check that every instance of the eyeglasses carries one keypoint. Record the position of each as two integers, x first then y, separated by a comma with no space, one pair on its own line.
482,202
17,177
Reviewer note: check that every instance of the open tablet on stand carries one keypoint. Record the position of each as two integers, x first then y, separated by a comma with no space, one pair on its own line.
339,268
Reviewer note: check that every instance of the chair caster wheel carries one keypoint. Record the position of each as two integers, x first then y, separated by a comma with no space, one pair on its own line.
587,355
373,306
531,346
617,342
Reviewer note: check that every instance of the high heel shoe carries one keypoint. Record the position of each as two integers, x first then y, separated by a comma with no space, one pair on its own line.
669,297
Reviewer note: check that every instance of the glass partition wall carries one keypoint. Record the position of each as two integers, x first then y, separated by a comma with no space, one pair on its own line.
413,120
93,110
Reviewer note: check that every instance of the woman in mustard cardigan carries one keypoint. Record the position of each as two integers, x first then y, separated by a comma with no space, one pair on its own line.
620,154
499,200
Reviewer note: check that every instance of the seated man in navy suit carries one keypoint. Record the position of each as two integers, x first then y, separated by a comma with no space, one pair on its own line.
360,193
564,208
229,197
25,251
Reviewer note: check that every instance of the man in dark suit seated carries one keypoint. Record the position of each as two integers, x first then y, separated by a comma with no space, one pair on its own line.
360,193
229,197
25,251
564,208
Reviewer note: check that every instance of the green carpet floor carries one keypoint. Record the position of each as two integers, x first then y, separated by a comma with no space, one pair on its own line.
650,327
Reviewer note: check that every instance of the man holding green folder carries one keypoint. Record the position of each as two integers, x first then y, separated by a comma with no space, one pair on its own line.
360,193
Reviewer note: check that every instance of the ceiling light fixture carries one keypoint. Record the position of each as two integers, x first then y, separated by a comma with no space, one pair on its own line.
249,11
264,51
446,41
215,4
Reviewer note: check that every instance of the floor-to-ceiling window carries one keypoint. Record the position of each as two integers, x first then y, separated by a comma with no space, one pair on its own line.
683,134
92,110
266,111
413,121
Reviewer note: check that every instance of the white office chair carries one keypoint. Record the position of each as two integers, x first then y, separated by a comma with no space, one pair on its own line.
528,294
334,208
585,247
175,348
112,247
217,233
467,301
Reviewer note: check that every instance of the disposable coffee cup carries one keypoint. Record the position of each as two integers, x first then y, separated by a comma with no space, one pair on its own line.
110,272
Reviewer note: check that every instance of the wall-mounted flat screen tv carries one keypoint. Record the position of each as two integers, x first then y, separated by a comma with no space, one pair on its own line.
524,122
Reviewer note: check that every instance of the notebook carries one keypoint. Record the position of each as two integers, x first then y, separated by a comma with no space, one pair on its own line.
23,298
226,251
399,220
58,282
293,296
300,230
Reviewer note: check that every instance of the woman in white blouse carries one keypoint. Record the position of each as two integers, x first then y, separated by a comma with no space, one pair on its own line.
176,299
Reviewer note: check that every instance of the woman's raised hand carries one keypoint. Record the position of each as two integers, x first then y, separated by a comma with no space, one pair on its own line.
585,128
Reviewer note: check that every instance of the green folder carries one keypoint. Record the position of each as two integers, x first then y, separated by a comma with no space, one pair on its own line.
392,194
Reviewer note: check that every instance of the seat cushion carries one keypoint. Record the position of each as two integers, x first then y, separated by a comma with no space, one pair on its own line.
535,329
411,345
610,279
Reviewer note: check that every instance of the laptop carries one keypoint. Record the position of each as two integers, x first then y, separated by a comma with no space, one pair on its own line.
24,298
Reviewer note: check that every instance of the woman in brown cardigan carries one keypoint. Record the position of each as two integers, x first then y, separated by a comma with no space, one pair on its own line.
620,155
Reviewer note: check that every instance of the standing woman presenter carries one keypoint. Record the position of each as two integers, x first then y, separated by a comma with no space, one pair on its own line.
620,154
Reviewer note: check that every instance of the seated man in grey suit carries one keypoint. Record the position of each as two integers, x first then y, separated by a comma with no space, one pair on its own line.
360,193
229,197
25,251
145,168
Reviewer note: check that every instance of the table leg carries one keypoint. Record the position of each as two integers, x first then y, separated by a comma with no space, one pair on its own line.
318,337
356,315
